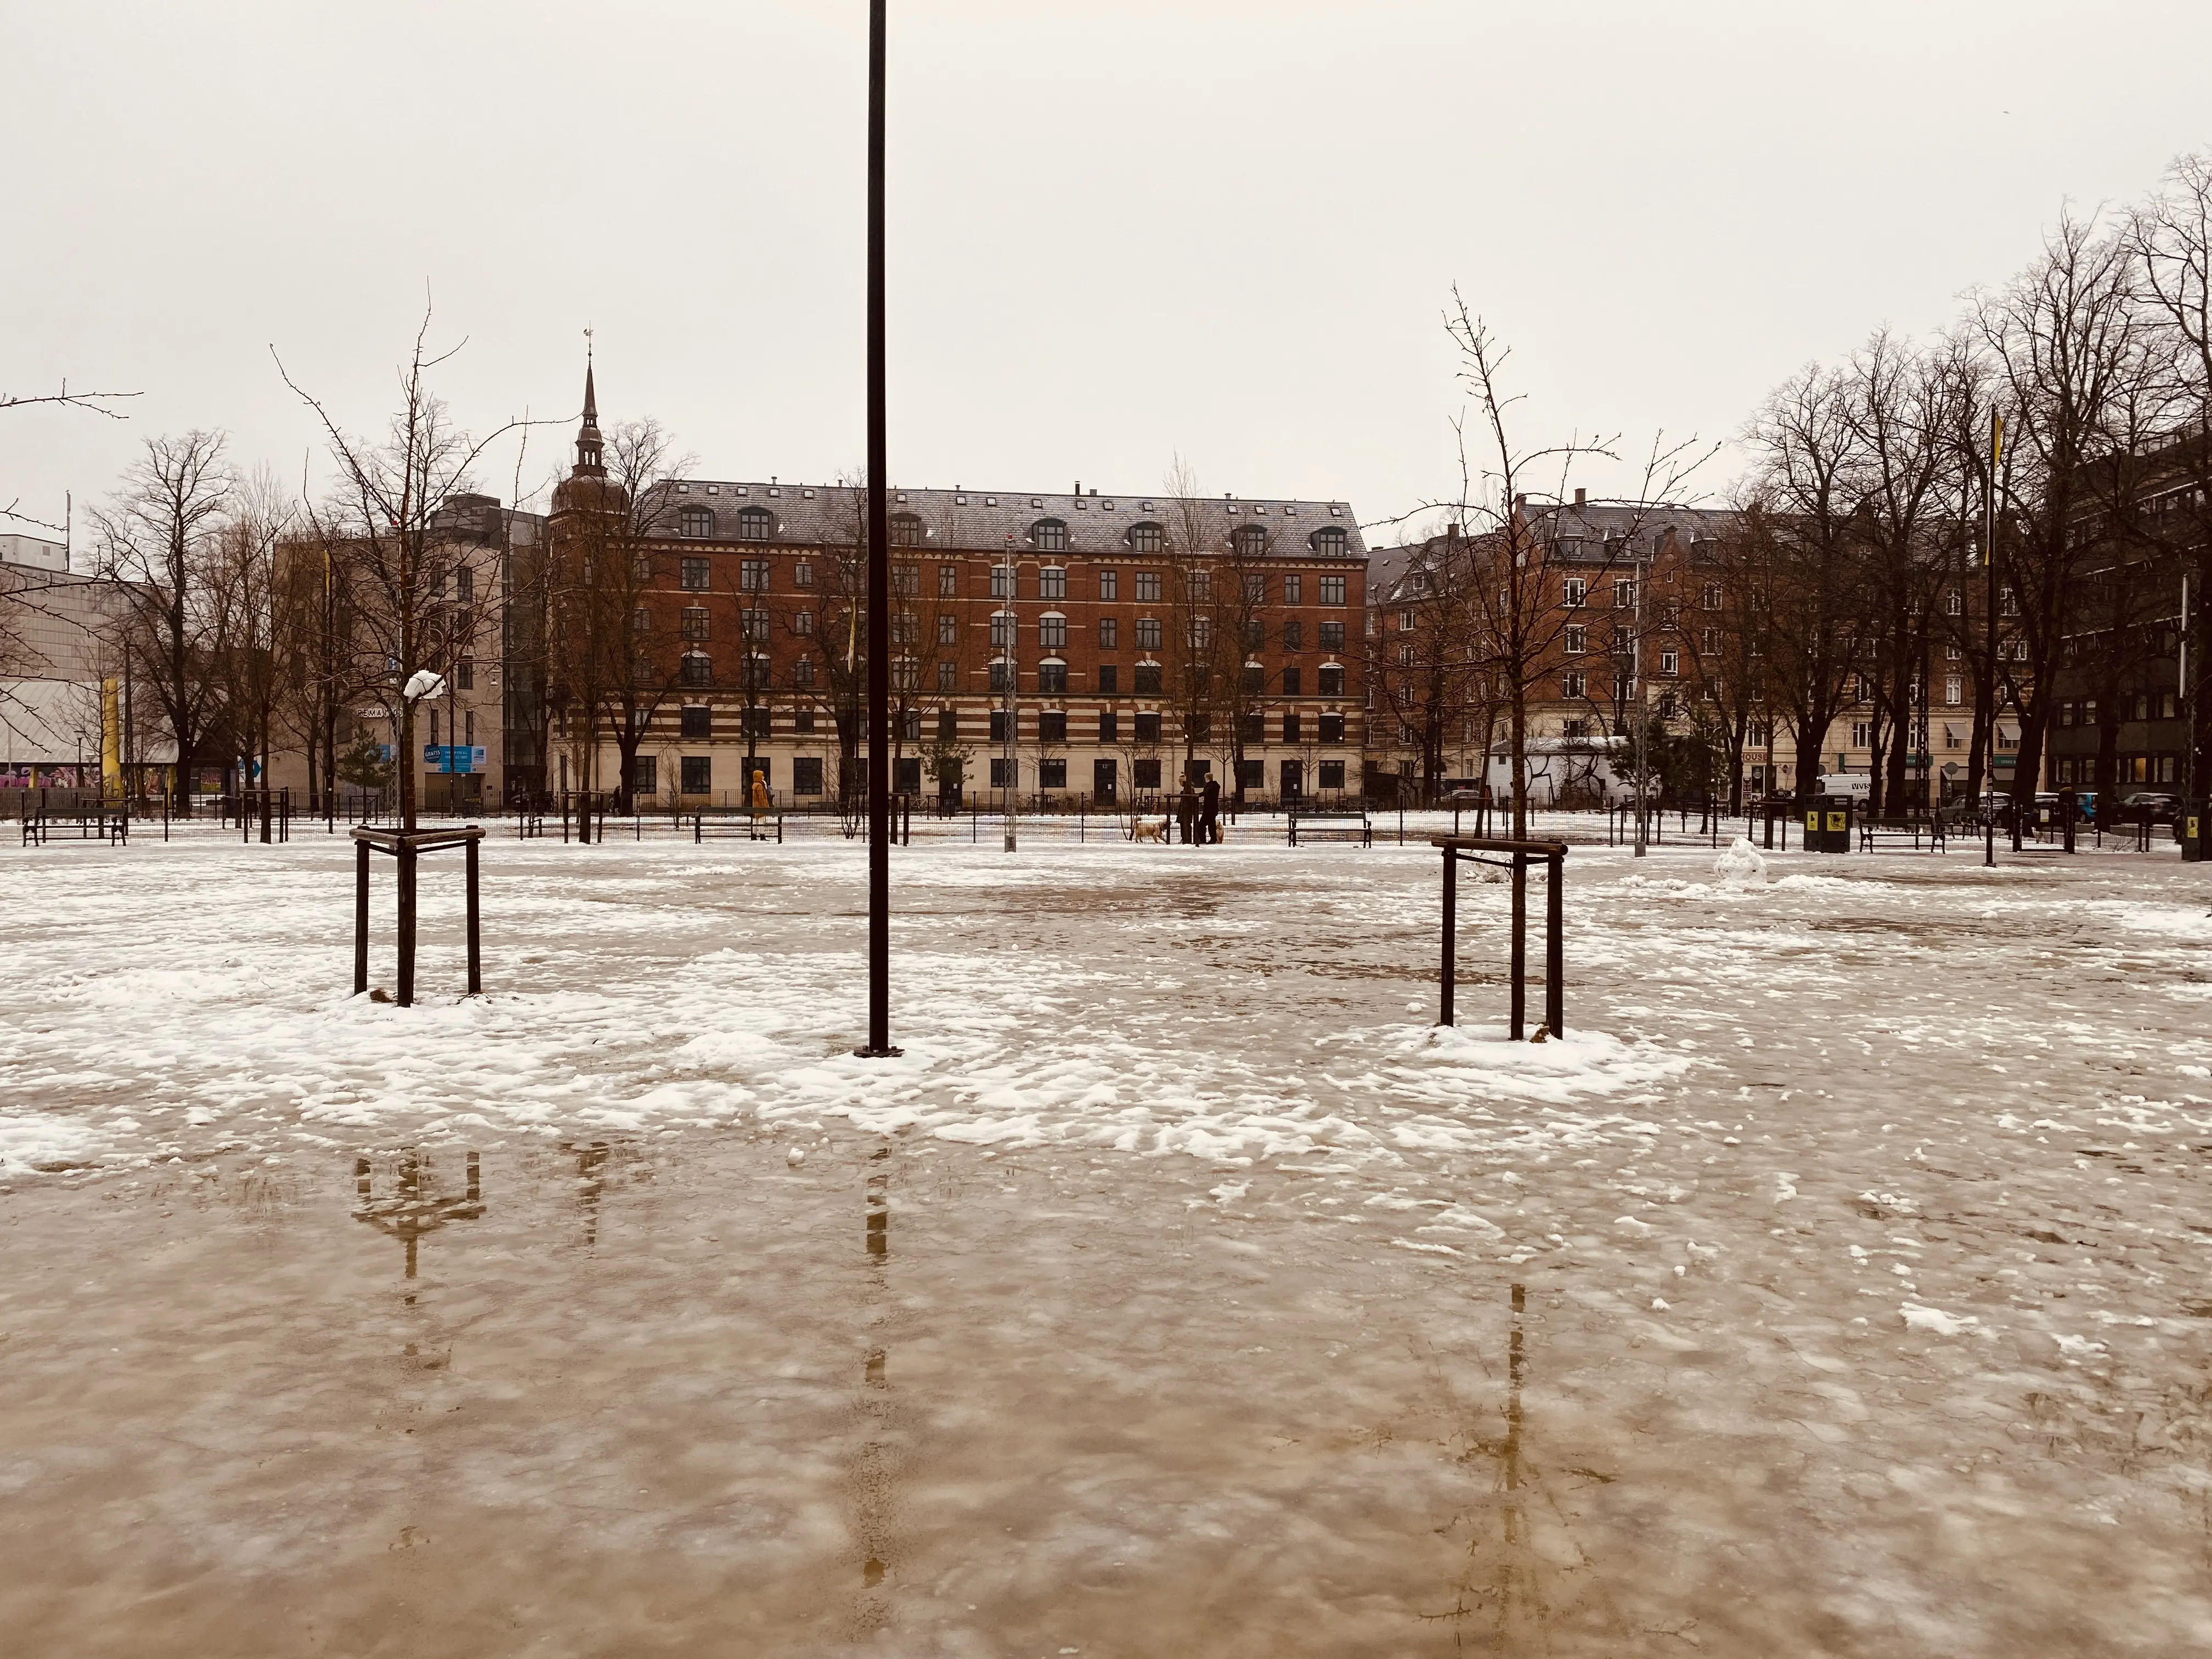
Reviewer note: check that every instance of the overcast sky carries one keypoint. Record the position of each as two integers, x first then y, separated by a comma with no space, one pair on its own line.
1118,232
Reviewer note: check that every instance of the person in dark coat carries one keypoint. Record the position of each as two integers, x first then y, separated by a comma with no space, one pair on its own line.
1209,812
1186,810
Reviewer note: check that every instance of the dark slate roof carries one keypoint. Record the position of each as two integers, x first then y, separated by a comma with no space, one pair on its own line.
1595,523
975,520
1388,569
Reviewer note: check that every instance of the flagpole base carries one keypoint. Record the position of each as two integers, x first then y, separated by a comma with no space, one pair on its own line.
887,1051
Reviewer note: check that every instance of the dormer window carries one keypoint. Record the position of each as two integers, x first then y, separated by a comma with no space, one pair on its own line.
1049,535
756,524
696,522
1330,541
1248,541
1147,537
908,530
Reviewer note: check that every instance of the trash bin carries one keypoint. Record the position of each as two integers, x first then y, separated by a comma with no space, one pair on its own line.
1828,823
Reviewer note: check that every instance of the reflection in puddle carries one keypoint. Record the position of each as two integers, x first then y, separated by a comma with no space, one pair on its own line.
874,1477
1503,1585
591,1182
416,1206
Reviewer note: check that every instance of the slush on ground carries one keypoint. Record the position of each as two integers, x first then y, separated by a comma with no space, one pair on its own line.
1840,1282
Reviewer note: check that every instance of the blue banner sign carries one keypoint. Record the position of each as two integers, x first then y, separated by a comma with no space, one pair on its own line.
454,756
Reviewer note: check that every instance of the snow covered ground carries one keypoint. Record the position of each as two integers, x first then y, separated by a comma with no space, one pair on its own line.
1839,1284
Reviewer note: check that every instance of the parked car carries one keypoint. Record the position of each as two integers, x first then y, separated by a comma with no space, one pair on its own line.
2159,808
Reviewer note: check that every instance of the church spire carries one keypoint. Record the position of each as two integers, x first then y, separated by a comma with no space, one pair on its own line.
588,462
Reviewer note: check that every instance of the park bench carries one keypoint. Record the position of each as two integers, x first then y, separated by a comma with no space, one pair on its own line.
737,826
109,824
1915,831
1335,821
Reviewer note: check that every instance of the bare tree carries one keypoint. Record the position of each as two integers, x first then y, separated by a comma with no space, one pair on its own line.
387,516
614,659
252,662
2071,347
1526,554
159,543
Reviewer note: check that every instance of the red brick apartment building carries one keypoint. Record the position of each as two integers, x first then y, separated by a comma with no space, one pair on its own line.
1136,634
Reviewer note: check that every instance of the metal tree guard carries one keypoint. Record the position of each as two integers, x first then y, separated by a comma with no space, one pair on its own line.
1518,856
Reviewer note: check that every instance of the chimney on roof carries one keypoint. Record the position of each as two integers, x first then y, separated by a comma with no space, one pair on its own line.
1078,486
1094,490
1581,497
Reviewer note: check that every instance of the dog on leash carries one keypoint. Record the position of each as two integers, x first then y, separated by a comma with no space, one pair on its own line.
1150,829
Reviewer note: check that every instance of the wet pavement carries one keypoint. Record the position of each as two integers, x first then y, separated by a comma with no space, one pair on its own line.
1835,1343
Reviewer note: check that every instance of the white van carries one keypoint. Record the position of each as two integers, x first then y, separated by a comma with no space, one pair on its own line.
1856,785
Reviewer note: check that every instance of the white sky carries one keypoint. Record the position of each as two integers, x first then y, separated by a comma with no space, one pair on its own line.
1118,232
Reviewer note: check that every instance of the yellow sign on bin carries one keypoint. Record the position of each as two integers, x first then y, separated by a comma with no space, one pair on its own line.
1813,822
1836,821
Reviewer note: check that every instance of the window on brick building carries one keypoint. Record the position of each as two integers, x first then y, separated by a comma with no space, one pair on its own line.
1332,680
752,575
1294,589
1291,678
1148,679
1331,636
1052,582
1148,728
695,574
1148,587
1109,678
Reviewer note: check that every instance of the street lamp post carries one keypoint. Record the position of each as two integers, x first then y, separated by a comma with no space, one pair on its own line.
1989,624
879,817
1636,695
1010,753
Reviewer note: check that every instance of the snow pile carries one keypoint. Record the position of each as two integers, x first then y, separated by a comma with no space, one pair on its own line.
1741,866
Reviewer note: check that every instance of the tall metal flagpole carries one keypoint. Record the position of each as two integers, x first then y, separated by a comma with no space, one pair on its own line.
879,626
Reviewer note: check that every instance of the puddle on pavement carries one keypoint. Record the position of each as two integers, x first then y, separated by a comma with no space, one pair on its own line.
1120,1425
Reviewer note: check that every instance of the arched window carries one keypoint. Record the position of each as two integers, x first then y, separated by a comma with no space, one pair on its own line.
1052,676
1328,539
1051,631
1249,540
1049,535
908,530
696,522
756,524
1147,537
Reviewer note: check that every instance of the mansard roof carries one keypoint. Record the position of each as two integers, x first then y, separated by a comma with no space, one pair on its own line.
970,520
